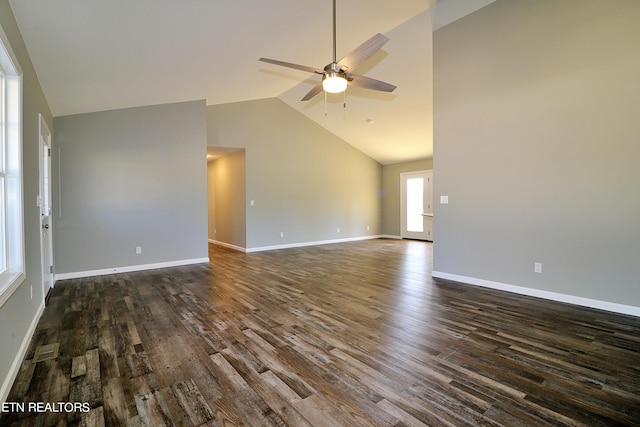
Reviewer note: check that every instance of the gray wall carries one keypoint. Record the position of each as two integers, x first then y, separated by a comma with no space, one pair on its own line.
20,312
391,222
536,143
305,182
131,177
227,200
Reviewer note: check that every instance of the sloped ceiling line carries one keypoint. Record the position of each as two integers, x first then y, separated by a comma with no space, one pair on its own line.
95,56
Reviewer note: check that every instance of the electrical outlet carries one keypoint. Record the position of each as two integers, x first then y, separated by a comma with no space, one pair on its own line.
338,230
282,234
138,250
537,267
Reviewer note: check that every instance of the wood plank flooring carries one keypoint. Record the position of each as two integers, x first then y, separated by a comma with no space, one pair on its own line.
352,334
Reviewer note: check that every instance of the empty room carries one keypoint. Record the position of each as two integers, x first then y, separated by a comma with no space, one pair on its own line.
335,213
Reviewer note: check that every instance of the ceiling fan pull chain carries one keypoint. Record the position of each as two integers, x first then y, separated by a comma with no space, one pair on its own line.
344,99
325,103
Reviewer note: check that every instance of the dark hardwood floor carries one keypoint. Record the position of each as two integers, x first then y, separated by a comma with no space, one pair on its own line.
353,334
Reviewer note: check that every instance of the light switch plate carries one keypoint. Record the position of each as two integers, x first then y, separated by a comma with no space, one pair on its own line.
444,200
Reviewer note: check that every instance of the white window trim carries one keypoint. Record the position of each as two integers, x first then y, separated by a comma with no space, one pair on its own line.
11,279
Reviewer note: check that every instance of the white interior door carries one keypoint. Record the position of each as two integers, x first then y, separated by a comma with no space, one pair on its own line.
416,208
44,201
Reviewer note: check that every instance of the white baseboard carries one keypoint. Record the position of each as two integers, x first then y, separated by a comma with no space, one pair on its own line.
390,236
128,269
296,245
22,352
228,245
554,296
316,243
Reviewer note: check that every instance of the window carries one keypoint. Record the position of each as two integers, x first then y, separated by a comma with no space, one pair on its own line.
415,204
11,220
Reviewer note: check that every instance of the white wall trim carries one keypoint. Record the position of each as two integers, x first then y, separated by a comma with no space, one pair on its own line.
228,245
299,245
554,296
22,352
128,269
316,243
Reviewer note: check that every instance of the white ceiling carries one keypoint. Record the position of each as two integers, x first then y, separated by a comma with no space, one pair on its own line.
96,55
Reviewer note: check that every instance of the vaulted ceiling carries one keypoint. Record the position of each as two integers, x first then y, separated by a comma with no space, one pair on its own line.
102,55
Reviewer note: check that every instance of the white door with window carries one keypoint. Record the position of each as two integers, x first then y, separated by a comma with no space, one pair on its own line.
44,200
416,210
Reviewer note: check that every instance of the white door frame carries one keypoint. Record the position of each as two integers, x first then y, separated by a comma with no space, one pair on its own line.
427,214
44,202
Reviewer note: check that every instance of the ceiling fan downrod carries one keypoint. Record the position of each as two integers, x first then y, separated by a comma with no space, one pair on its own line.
335,61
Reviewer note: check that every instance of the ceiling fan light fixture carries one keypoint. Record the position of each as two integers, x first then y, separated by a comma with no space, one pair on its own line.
338,74
333,82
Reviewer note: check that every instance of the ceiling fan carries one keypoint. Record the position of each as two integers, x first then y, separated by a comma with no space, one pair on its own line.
338,74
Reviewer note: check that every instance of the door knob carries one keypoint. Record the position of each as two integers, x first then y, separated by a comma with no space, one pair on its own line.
45,226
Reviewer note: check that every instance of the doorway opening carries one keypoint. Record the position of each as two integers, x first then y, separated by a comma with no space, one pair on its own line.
44,201
416,210
227,207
